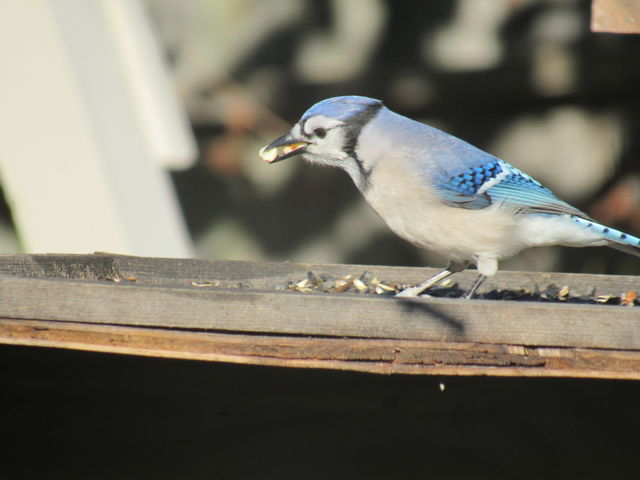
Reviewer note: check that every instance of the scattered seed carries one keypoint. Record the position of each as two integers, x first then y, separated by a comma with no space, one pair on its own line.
367,283
386,288
313,279
603,298
629,298
360,285
367,278
303,290
342,284
302,286
214,283
328,284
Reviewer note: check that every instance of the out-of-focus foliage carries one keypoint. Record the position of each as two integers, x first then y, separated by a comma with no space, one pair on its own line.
524,79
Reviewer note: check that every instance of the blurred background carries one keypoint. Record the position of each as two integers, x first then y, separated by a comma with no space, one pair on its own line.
523,79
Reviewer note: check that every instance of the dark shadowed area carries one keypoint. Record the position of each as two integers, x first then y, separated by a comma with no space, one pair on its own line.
69,414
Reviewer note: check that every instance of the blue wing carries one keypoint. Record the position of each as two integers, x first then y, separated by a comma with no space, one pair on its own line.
466,177
496,181
469,178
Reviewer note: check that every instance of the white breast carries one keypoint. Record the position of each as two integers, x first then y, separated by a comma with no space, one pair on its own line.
416,214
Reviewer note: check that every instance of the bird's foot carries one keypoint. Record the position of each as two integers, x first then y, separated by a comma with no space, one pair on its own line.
469,294
416,290
410,292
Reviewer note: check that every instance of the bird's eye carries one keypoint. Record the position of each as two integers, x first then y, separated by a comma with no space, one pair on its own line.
320,132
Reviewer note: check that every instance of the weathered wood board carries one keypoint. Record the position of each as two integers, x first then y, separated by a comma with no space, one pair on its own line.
150,306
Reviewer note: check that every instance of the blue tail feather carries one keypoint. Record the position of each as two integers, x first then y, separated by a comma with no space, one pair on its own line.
618,238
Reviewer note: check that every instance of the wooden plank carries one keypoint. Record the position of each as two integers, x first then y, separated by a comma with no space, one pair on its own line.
365,355
266,275
246,310
148,306
615,16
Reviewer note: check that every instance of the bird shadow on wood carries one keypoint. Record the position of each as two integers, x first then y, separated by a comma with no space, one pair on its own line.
417,308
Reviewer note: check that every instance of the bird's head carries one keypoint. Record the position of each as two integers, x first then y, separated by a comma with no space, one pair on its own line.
327,133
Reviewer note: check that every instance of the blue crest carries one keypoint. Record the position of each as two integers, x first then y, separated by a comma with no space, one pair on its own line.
343,108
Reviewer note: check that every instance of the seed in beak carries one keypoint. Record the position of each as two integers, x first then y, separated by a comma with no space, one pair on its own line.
292,148
271,155
268,155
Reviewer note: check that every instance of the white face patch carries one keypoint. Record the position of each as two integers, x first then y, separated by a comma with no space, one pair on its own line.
296,131
320,121
329,149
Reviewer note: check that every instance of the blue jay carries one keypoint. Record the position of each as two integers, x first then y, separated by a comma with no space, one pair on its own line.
437,191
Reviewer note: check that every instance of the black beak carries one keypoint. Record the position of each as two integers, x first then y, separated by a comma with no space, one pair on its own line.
284,147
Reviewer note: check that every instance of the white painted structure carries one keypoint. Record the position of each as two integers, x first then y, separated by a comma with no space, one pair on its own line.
88,124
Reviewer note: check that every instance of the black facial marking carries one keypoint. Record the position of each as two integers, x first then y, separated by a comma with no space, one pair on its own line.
355,126
352,132
303,128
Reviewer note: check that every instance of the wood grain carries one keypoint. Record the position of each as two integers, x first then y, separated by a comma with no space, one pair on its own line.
364,355
265,275
239,319
245,310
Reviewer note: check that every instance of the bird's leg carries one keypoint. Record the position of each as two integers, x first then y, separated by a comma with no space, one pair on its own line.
472,291
452,268
428,283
